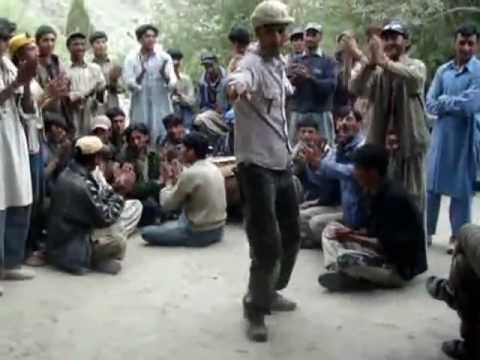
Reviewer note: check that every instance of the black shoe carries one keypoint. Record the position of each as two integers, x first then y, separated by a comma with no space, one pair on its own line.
439,289
282,304
256,328
336,282
455,349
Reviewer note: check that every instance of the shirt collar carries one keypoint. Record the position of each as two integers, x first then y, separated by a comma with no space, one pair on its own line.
469,66
319,53
84,65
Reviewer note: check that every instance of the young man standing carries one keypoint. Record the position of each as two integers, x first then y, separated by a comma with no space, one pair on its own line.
87,85
297,44
452,166
394,85
392,250
150,76
314,76
200,192
183,96
111,71
259,88
15,185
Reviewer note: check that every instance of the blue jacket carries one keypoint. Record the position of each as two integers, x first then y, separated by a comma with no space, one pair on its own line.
210,99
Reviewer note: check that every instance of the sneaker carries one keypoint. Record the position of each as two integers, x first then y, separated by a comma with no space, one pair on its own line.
18,274
37,259
110,267
282,304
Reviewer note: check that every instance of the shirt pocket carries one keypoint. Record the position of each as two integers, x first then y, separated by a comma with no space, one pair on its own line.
272,96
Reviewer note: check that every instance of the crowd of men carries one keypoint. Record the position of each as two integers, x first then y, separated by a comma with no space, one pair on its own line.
332,152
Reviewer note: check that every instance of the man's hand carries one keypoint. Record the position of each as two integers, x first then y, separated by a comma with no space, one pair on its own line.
237,90
125,182
313,154
377,54
27,70
57,88
115,74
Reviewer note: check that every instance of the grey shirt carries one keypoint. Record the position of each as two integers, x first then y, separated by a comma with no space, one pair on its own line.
261,135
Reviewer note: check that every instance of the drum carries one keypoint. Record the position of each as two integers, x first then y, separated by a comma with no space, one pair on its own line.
227,166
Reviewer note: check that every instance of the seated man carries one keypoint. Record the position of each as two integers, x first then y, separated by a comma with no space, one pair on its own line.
338,165
79,206
392,251
146,165
200,192
461,292
102,128
173,143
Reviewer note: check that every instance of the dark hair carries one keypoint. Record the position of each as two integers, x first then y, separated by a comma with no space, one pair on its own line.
44,30
74,36
7,27
54,118
175,54
198,142
81,158
467,30
113,112
97,35
345,110
239,34
372,157
141,30
307,123
172,120
141,128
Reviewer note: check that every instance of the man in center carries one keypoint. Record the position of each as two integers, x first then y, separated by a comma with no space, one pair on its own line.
258,89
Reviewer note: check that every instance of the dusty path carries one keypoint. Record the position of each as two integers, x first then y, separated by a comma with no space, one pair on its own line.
185,304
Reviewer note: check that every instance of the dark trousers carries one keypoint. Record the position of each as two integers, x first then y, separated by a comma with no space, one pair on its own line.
38,218
272,224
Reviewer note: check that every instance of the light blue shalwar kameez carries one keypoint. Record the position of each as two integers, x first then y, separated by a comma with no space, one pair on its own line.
454,97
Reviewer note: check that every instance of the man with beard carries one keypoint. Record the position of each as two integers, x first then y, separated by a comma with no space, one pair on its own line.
314,76
394,84
452,166
87,85
259,88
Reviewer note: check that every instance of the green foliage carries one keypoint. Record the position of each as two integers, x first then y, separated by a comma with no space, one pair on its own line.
78,19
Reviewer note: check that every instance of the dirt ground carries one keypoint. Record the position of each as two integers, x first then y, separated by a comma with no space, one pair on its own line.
185,304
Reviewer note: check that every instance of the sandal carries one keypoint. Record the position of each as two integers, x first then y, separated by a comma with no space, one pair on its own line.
455,349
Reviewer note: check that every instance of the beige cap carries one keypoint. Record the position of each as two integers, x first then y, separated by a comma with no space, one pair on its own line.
89,145
271,12
101,122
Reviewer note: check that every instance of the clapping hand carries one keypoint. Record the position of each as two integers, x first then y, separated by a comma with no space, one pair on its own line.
313,154
27,70
377,54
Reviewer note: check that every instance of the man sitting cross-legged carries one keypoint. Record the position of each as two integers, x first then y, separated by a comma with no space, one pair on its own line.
392,251
200,191
461,292
337,165
81,204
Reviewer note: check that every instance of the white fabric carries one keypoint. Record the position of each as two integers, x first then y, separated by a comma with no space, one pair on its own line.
15,180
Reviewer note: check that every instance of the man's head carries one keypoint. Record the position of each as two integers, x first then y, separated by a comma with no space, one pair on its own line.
22,47
138,138
147,36
270,20
7,29
297,40
46,38
307,131
89,152
177,57
175,128
395,39
348,123
240,39
102,128
77,46
99,43
371,164
195,147
55,127
118,118
313,37
210,63
466,43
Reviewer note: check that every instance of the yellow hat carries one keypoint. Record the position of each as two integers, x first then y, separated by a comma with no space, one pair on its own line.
19,41
89,145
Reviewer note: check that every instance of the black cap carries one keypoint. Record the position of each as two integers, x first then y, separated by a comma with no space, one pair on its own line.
98,35
395,27
74,36
7,27
175,54
208,58
141,30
